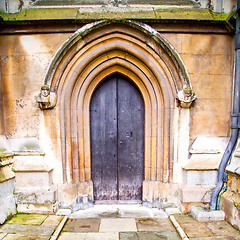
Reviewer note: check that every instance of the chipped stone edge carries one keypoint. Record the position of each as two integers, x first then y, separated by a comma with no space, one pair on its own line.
59,229
180,231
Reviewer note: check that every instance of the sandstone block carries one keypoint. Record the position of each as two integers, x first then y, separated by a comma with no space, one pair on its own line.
200,177
37,208
195,193
36,195
33,179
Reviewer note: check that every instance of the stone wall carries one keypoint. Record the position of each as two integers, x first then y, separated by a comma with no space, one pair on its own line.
7,181
24,60
230,200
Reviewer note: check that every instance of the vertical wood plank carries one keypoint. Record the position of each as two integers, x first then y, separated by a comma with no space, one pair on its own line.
103,115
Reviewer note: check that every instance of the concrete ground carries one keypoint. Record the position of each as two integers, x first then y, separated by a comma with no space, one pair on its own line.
114,223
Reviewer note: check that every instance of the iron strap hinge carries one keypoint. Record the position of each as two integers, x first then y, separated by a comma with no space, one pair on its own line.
237,117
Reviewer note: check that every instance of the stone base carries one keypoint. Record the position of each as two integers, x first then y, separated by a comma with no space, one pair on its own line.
7,207
202,215
36,195
160,195
195,196
76,196
37,208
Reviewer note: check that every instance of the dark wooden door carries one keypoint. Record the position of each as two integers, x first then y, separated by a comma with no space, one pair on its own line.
117,140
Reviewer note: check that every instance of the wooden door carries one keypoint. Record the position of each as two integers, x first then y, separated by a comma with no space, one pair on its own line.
117,140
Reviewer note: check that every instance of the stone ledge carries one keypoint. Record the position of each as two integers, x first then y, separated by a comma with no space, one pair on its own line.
209,145
203,162
6,173
234,166
202,215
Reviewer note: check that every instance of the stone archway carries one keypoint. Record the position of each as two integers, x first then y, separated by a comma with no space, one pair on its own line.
138,52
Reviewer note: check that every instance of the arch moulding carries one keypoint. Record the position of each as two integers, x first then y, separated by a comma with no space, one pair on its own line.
90,55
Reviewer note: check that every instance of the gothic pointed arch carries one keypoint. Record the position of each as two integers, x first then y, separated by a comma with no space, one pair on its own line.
136,51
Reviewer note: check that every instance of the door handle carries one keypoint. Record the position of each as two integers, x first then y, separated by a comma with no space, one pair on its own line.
121,142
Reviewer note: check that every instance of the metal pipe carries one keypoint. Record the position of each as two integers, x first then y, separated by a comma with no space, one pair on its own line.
235,122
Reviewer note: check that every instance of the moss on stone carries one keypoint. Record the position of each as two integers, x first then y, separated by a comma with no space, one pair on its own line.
29,219
105,2
39,14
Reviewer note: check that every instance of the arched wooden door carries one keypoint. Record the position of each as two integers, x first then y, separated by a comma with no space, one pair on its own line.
117,140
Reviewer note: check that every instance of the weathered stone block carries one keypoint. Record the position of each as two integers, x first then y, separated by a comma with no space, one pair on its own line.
69,193
36,195
200,177
202,215
37,208
195,193
33,179
158,194
6,173
229,203
7,207
6,188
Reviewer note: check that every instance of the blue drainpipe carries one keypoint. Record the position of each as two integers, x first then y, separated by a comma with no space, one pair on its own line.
235,122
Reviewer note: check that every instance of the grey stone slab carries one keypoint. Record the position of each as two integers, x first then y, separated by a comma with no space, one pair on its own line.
154,225
82,225
196,229
88,236
149,236
118,225
222,228
28,229
24,237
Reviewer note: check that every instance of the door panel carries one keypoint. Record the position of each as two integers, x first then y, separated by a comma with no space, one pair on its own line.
103,123
117,140
130,141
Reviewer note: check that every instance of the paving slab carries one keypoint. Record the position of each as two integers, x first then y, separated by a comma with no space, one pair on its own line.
217,238
118,225
222,228
154,225
89,236
82,225
23,237
196,229
149,236
52,220
2,235
31,219
184,218
28,229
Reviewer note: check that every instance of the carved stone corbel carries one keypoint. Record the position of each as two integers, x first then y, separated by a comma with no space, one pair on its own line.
186,96
47,99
